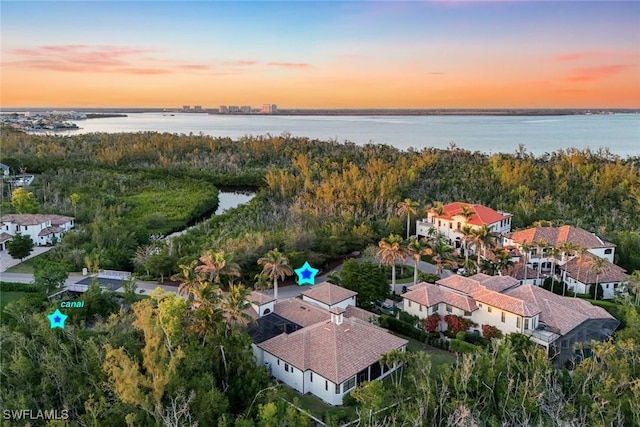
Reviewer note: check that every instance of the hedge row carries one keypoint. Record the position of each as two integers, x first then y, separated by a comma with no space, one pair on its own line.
20,287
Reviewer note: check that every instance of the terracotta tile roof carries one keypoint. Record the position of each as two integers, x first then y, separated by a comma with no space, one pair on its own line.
328,293
556,236
581,271
359,313
517,271
507,303
35,219
481,214
5,237
259,298
561,313
466,285
496,283
336,352
429,295
301,312
50,230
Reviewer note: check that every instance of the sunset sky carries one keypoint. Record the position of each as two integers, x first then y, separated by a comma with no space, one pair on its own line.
328,54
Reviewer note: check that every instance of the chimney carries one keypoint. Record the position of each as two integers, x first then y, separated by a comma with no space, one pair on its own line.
337,315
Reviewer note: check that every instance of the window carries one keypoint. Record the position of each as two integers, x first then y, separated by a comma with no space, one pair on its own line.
449,309
517,321
349,384
467,313
311,376
608,251
489,309
286,367
458,226
266,311
326,385
450,225
278,362
408,303
439,223
503,317
420,307
337,388
526,323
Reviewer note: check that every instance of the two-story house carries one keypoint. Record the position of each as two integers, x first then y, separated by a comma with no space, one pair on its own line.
552,321
451,219
547,249
44,229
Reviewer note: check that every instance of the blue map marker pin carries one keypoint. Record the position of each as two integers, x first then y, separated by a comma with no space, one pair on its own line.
306,274
57,319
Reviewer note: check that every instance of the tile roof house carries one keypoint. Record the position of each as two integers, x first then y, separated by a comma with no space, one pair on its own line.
454,216
552,321
580,275
325,352
44,229
540,257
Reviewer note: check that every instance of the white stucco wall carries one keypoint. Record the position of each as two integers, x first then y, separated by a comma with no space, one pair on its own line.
294,378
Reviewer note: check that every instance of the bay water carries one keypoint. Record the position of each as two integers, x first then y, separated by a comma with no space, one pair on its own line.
617,133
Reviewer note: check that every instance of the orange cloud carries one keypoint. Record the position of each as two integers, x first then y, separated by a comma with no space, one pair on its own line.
590,74
289,64
240,63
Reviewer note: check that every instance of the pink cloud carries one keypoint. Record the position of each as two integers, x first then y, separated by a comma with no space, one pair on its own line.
294,65
99,58
240,63
589,74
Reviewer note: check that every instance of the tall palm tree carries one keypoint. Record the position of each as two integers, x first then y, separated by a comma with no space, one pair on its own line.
275,265
438,208
467,211
417,248
555,254
467,239
233,305
503,260
262,282
189,280
488,267
393,358
633,286
442,253
525,249
598,266
391,251
541,245
407,207
484,238
581,251
216,264
568,250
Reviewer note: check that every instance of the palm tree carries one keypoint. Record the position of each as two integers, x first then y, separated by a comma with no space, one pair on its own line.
633,286
390,360
488,267
483,237
581,251
467,238
233,305
598,266
503,260
442,253
217,264
391,251
438,207
189,280
262,282
467,211
568,249
276,266
417,248
541,245
555,254
407,207
525,249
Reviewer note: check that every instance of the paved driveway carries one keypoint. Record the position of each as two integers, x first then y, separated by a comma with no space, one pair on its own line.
6,261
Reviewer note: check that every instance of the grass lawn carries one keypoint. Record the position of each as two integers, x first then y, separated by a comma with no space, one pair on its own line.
7,297
314,405
24,267
438,356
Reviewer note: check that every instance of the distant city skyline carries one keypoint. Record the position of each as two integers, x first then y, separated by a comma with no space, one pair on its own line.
328,54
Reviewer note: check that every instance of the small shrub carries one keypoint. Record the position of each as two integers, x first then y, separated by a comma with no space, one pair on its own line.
431,322
490,332
462,346
461,335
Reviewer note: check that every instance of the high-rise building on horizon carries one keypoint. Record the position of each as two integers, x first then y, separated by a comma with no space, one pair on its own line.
269,108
